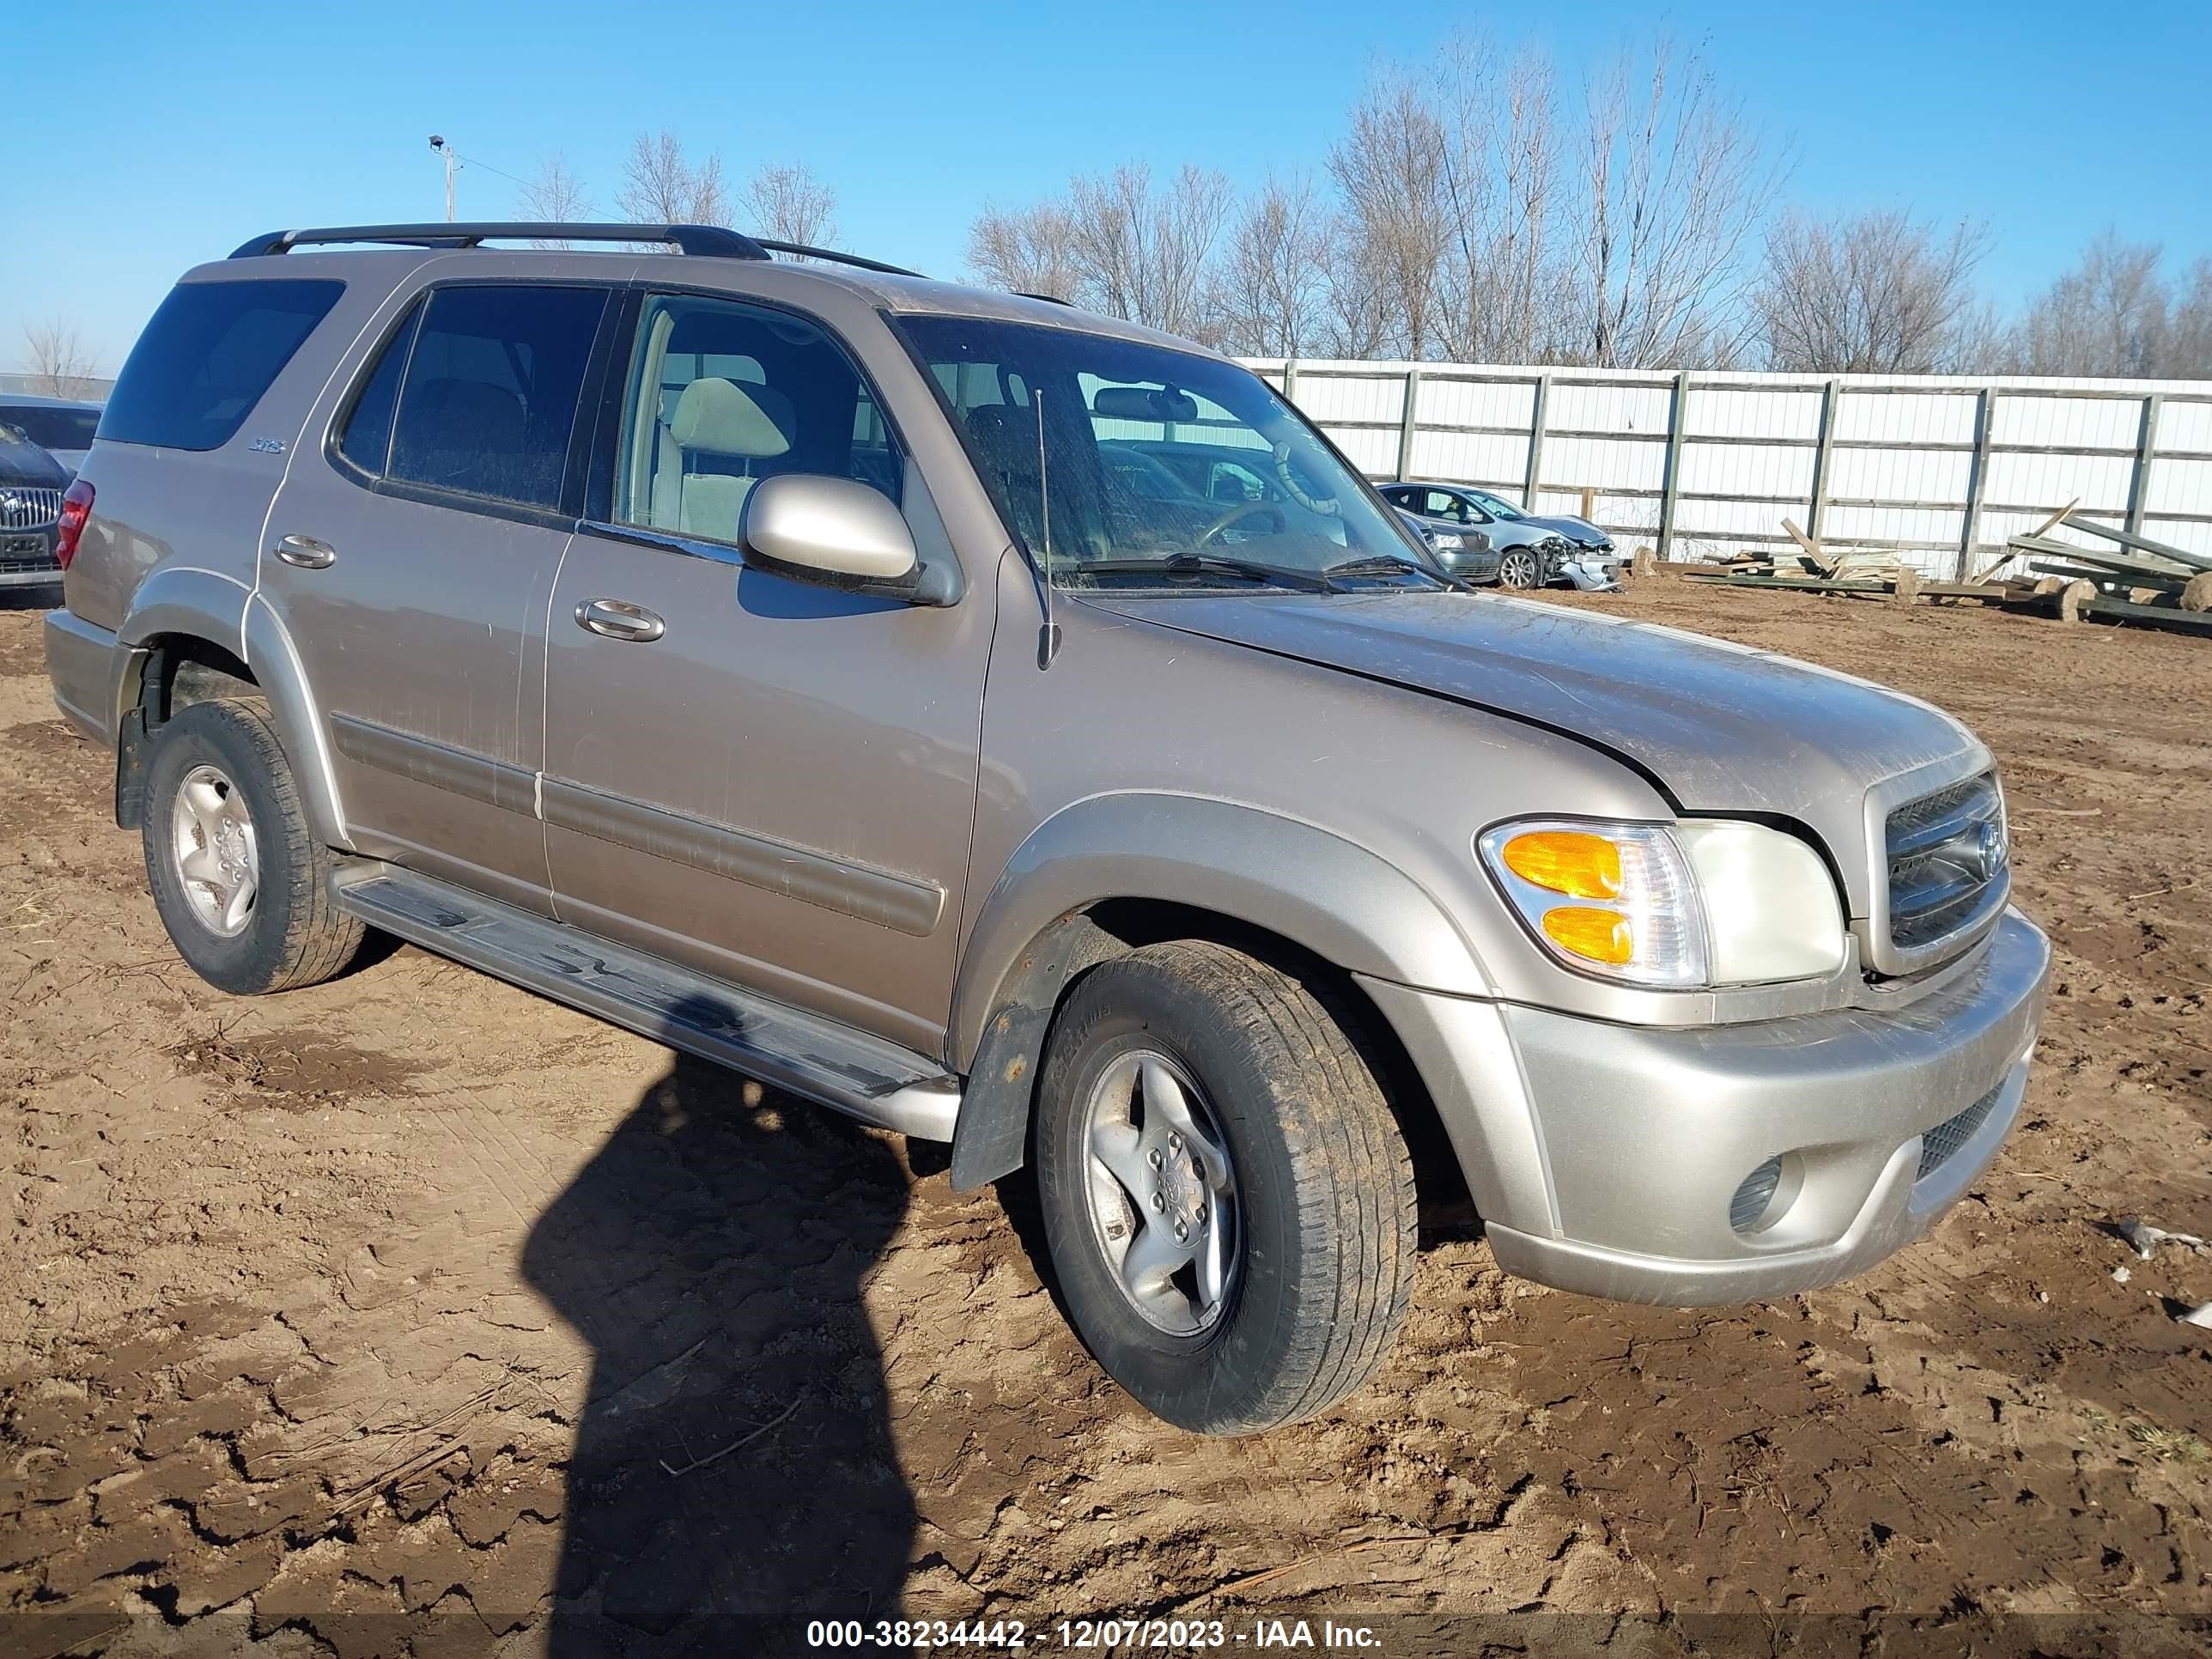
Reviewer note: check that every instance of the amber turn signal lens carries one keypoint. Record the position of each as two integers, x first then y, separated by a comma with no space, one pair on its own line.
1598,935
1566,861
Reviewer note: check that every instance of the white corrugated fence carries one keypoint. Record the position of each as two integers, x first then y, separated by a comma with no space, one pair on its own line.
1700,464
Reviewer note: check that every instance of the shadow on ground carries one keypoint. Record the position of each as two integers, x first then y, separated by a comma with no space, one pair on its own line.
733,1474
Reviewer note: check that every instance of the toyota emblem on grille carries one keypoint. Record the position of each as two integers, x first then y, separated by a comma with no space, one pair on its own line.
1989,850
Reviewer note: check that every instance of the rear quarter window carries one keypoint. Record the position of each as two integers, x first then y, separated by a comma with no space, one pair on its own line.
208,355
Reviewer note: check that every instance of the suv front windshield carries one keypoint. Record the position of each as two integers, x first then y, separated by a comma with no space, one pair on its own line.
1155,465
1497,509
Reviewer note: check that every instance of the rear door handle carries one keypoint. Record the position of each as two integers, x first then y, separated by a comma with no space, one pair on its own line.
618,619
306,552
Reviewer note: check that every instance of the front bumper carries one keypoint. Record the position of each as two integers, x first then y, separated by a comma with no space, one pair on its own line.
1469,564
1606,1158
1593,573
26,559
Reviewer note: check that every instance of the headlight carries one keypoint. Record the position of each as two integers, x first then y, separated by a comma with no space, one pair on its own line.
1448,541
1702,901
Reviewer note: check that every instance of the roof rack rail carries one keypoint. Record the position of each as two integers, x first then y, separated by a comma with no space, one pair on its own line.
833,256
1049,299
715,241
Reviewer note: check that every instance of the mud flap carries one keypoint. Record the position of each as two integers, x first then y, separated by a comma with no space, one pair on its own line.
990,1139
131,748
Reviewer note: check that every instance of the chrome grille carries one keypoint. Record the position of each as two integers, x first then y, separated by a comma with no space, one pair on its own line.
1948,860
1938,1144
29,509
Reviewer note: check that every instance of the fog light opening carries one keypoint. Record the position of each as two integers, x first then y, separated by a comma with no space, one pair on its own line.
1764,1196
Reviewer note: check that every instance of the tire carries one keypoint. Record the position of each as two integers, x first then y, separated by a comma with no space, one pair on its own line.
1318,1206
1520,567
287,932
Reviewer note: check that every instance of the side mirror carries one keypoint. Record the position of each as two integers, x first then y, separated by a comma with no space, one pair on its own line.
836,530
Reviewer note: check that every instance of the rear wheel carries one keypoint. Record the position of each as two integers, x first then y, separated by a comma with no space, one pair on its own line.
1517,568
1227,1199
239,880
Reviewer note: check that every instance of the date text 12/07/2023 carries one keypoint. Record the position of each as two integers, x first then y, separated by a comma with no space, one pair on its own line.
1092,1635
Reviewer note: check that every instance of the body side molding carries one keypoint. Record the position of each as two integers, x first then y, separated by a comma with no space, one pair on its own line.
883,896
461,771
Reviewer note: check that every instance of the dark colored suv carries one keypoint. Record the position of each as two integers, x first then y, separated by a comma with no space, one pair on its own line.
31,485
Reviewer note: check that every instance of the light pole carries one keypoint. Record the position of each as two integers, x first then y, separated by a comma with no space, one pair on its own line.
453,163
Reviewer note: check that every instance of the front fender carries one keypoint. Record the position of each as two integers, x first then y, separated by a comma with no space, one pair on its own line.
1344,902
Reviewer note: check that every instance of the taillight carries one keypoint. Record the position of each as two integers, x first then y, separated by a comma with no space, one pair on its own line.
77,507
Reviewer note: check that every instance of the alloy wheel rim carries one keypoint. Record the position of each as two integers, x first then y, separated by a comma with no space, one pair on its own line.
212,846
1520,570
1160,1192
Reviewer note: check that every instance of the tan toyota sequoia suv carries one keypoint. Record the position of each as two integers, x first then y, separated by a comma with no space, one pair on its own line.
1017,728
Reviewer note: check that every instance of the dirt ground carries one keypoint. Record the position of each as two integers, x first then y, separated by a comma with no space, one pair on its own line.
412,1309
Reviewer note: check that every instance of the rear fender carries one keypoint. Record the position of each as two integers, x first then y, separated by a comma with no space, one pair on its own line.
203,605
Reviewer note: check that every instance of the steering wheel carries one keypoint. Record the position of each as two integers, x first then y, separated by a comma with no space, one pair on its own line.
1324,505
1236,515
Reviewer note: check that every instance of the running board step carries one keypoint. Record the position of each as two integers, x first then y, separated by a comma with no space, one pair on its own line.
863,1076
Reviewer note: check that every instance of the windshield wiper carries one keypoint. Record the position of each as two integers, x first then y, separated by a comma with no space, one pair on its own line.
1204,564
1382,564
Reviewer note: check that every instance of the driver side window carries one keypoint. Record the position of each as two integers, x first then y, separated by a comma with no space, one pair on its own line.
723,395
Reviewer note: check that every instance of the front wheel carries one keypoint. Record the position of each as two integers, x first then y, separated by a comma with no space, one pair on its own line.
1227,1199
1518,569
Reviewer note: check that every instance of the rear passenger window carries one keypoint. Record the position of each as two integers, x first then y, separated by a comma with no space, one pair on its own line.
488,393
367,439
206,357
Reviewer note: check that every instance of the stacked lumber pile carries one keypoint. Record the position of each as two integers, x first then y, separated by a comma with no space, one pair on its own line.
1814,568
2137,571
2138,579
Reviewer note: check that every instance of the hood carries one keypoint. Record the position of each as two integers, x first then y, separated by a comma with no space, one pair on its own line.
27,466
1575,530
1518,532
1719,727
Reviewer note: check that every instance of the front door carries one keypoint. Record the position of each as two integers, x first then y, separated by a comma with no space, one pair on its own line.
411,560
771,780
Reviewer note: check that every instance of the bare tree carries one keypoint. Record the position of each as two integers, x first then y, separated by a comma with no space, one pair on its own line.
1273,286
1028,250
1503,287
1672,185
1882,293
1144,253
1392,172
792,205
62,365
1360,322
555,195
662,185
2188,354
2107,316
1116,244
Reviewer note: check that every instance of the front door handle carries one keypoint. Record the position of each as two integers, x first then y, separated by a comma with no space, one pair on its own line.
306,552
618,619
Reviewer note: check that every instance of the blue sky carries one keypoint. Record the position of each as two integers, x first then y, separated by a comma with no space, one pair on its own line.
165,133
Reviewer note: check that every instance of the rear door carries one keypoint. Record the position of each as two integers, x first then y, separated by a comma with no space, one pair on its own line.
770,781
410,556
